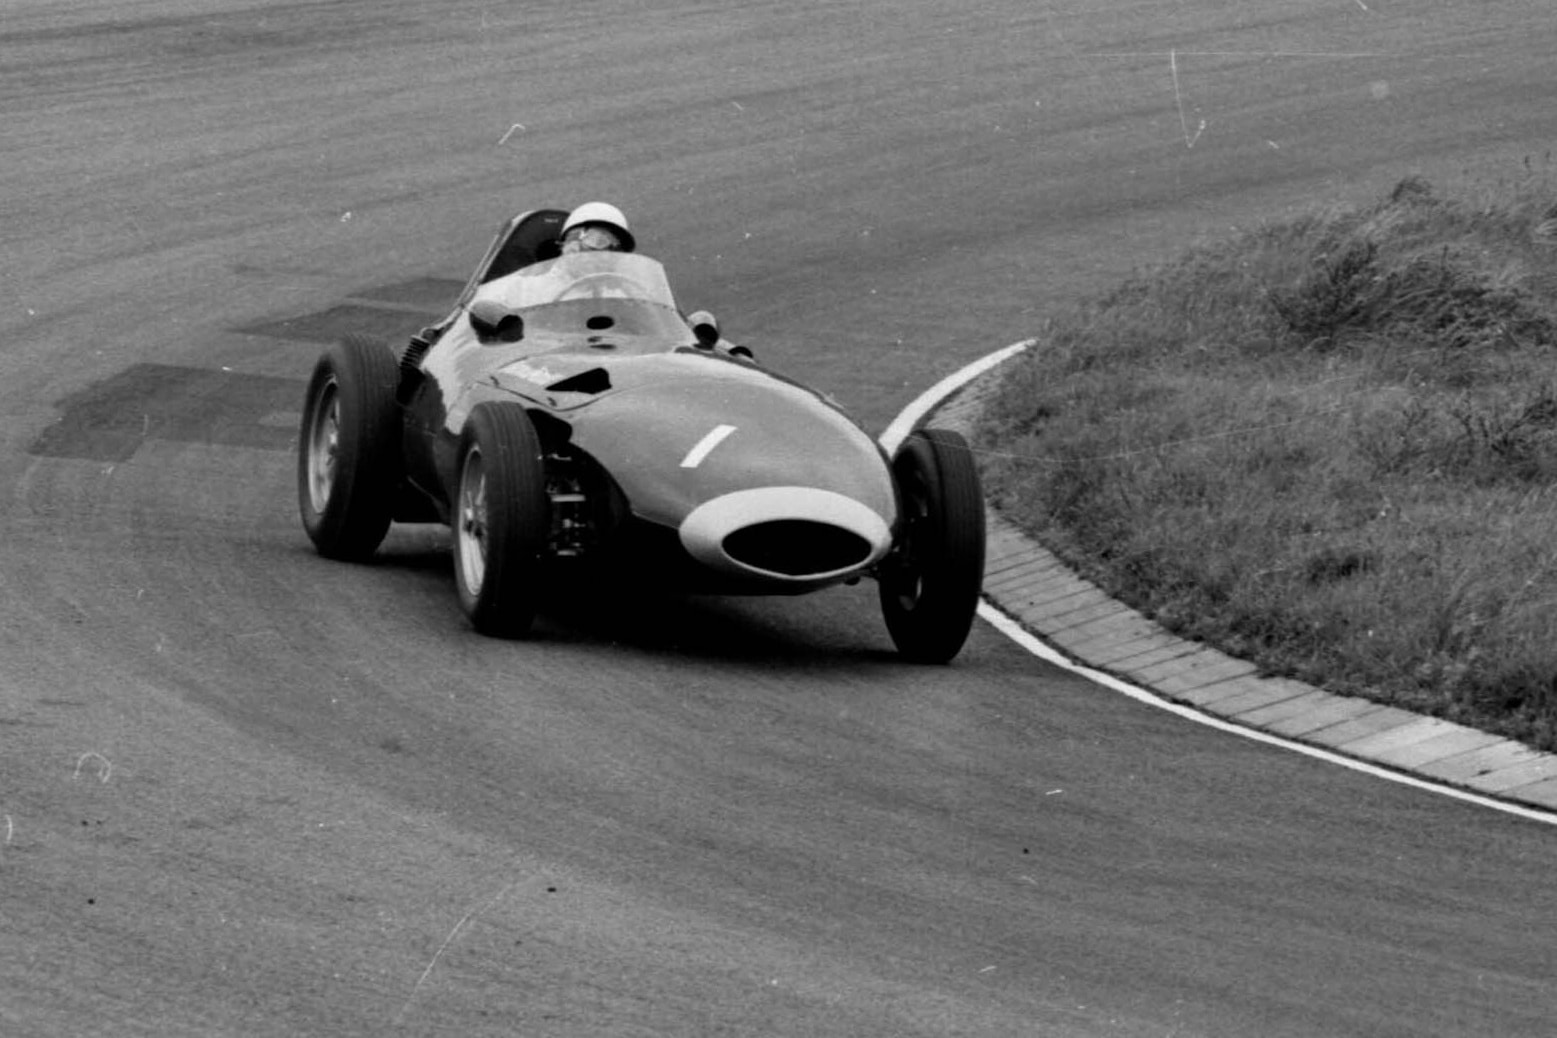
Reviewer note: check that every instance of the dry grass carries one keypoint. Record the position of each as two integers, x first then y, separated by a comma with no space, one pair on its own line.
1328,447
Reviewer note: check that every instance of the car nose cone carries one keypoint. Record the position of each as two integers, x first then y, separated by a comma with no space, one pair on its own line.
785,533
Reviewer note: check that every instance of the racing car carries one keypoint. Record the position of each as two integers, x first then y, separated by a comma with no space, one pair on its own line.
567,420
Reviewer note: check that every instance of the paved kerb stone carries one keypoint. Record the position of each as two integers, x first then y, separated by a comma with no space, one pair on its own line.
1209,697
1377,718
1326,711
1484,761
1415,731
1526,773
1261,692
1449,744
1542,794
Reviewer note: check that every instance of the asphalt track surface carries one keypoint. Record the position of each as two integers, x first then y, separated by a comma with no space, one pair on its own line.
245,791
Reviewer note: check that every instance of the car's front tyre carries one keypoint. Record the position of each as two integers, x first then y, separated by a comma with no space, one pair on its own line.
348,452
501,520
930,584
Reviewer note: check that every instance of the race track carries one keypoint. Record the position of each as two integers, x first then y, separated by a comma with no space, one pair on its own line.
246,791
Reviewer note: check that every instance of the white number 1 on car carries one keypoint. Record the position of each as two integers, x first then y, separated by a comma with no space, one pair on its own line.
705,446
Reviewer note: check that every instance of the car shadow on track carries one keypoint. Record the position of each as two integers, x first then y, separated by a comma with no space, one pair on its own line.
775,632
828,628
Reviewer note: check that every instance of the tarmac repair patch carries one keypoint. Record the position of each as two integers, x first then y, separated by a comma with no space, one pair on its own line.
110,420
376,322
389,312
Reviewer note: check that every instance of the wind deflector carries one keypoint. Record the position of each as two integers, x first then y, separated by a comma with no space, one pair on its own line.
595,380
530,240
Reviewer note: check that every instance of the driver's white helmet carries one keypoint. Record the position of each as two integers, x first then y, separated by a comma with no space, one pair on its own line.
597,216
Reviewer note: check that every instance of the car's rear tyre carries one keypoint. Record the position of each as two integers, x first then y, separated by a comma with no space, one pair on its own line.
348,451
930,583
502,519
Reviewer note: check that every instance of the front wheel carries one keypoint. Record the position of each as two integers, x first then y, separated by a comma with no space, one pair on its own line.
930,583
348,456
501,520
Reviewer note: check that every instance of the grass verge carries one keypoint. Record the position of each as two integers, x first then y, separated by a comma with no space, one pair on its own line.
1328,446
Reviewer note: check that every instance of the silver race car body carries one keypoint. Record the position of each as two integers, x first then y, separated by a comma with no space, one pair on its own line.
567,416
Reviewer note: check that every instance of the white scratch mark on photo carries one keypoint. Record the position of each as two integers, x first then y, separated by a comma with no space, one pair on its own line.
103,772
1178,98
447,941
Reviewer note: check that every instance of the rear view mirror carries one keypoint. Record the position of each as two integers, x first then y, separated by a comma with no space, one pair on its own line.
705,327
493,322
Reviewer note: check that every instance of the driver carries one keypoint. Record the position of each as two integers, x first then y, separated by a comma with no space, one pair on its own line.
601,227
596,227
592,227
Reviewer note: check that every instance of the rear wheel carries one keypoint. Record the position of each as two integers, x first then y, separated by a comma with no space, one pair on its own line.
501,520
348,457
930,584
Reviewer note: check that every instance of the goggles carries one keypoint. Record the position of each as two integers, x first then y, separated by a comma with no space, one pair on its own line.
593,238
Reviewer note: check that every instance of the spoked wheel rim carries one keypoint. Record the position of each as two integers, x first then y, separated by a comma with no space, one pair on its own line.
324,442
472,533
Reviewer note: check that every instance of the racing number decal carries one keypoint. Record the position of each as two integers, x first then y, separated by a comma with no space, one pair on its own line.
705,446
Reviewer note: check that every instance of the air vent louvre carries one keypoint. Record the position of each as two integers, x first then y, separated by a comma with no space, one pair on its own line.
595,380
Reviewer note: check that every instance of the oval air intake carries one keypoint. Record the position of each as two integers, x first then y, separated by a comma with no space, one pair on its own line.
796,547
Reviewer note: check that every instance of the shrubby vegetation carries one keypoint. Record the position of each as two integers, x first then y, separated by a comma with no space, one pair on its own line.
1328,446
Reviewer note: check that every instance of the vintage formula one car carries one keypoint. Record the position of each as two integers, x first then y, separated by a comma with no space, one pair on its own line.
567,414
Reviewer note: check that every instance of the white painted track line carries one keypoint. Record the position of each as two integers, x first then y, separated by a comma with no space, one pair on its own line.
931,398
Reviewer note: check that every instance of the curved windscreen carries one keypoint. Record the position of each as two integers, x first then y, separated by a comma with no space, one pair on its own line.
582,276
611,294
